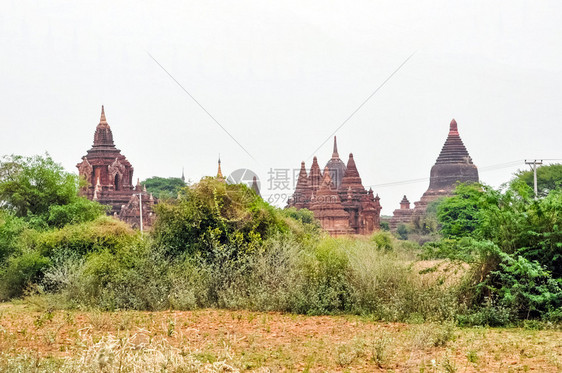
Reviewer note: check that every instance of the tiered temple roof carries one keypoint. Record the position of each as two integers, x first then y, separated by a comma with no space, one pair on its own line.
403,215
328,209
219,171
108,172
336,166
255,186
351,179
315,175
342,209
453,165
303,189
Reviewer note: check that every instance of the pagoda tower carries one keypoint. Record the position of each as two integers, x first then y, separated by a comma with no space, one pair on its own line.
453,165
328,209
363,210
303,190
255,186
336,166
403,215
369,213
315,176
220,176
342,208
108,173
351,179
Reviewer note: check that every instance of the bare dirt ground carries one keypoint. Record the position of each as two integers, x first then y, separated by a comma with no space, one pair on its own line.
220,340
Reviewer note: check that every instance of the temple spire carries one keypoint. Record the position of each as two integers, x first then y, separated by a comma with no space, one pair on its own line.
452,165
103,121
335,151
336,166
326,180
351,177
303,190
315,175
255,186
453,150
453,128
182,175
103,135
219,172
351,167
303,176
404,204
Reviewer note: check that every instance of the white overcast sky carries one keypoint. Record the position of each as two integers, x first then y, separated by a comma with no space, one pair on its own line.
281,77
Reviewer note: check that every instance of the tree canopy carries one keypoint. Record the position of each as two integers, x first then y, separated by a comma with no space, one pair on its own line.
38,189
212,212
548,178
515,243
162,187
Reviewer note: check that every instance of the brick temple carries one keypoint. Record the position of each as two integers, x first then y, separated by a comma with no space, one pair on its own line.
337,197
403,215
453,165
110,179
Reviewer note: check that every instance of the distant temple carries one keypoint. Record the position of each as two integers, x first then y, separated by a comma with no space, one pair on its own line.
453,165
110,179
255,187
403,215
337,197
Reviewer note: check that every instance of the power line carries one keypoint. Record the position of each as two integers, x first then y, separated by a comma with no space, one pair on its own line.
201,106
363,103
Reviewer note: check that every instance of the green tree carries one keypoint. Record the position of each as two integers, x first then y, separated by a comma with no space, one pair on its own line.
11,228
303,215
214,214
515,243
162,187
459,214
548,178
40,191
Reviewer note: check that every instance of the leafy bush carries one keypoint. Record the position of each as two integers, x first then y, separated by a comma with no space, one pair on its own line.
39,190
79,211
164,188
104,233
11,229
459,215
515,244
20,272
383,240
332,276
548,178
215,212
488,314
526,287
132,277
402,231
30,253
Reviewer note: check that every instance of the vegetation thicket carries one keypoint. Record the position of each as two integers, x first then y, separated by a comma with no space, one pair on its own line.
162,187
548,178
220,245
514,243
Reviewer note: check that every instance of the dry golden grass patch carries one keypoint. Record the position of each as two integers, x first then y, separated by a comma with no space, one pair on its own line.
219,340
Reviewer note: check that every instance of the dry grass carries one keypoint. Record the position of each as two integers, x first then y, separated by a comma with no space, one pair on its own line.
38,340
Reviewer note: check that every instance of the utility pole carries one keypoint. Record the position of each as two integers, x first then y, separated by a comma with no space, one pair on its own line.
533,165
